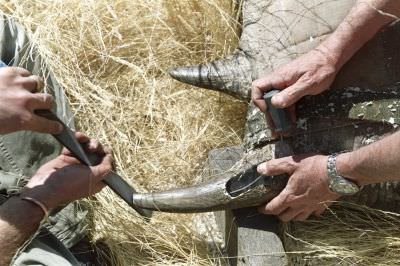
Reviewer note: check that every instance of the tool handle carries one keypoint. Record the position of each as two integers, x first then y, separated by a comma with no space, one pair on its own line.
280,117
119,186
125,192
113,180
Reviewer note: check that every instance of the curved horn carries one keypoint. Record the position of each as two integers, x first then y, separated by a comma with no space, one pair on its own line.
243,190
204,197
231,75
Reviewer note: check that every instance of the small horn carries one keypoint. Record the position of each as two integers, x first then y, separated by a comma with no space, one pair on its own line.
231,75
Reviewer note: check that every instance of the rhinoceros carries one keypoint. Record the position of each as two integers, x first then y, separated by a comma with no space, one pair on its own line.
360,108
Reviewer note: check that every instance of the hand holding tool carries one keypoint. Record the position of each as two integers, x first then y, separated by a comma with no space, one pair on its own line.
113,180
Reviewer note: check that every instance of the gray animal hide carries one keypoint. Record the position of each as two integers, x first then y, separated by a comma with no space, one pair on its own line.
360,108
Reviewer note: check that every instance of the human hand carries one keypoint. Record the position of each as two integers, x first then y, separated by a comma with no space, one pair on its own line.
18,102
309,74
307,191
65,179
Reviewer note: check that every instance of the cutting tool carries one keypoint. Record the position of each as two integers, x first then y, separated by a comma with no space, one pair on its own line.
113,180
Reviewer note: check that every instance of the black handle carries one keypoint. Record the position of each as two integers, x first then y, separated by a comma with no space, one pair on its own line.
280,117
113,180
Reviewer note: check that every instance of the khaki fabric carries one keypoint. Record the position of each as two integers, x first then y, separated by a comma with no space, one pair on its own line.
22,153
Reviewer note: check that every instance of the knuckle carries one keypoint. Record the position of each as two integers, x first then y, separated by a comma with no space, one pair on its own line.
25,119
47,98
24,83
23,100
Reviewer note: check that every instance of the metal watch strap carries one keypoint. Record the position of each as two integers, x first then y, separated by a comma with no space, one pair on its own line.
337,183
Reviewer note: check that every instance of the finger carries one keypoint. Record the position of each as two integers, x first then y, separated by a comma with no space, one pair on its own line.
108,150
290,95
94,146
33,83
43,125
101,170
302,216
261,86
82,138
41,101
69,160
319,212
289,214
285,165
276,206
20,71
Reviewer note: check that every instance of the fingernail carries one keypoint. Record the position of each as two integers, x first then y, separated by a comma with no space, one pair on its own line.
262,168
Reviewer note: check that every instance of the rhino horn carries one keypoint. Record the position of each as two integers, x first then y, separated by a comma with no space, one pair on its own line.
231,75
226,192
203,197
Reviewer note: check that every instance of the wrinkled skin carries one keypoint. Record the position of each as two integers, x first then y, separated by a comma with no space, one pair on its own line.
285,44
307,190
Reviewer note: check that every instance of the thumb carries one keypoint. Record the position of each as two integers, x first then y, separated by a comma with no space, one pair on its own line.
101,170
290,95
263,85
43,125
279,166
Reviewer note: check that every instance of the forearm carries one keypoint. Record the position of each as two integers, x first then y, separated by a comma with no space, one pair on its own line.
375,163
19,219
365,19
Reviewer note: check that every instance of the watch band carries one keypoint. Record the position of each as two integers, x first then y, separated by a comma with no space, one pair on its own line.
337,183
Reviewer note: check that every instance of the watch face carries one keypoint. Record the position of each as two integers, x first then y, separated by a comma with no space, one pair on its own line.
342,186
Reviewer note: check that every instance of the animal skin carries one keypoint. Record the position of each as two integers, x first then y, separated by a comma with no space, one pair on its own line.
360,108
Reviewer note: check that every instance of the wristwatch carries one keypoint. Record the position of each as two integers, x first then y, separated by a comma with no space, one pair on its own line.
337,183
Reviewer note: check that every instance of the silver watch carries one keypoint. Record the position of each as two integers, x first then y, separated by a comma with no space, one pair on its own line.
337,183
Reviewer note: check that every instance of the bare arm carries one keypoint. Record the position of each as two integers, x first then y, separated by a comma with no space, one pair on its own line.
311,74
365,19
16,226
375,163
58,182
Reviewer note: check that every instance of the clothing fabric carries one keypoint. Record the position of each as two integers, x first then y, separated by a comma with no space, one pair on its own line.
22,153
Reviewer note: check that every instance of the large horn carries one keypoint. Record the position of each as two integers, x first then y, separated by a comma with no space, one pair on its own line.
231,75
243,190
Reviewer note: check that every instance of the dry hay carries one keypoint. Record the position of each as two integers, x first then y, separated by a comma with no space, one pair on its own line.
347,234
112,58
